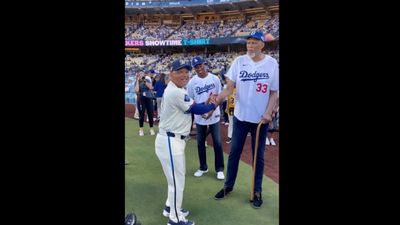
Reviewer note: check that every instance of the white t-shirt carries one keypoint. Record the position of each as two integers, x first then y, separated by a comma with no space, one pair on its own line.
254,81
200,89
175,103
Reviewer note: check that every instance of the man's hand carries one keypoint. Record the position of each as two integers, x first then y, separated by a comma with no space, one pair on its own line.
266,118
211,98
214,100
206,116
218,101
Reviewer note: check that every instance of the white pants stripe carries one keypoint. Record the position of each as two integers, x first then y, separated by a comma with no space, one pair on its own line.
178,157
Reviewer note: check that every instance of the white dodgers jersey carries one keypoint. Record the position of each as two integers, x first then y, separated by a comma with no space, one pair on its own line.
254,81
199,89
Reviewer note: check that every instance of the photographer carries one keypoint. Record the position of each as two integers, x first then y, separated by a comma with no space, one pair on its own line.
144,89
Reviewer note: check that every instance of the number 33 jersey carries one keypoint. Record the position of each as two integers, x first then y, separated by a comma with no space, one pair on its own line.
254,81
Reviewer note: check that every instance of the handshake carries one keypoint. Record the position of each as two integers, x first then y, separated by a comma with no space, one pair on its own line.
211,99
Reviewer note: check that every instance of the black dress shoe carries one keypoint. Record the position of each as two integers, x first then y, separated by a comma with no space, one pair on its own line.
257,200
222,193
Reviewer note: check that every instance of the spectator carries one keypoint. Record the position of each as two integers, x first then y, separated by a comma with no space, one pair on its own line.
144,89
159,87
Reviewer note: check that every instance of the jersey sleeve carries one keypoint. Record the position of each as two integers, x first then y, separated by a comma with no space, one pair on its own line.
275,79
182,100
232,73
200,109
190,89
218,83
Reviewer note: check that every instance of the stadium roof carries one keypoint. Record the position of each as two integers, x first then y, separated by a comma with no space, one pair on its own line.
240,6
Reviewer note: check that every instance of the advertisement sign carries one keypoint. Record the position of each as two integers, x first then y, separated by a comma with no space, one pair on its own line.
187,42
164,43
134,43
201,41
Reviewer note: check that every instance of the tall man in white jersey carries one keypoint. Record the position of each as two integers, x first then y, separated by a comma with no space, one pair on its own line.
200,88
174,128
256,78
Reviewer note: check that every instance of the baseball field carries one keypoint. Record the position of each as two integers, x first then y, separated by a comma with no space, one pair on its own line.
146,187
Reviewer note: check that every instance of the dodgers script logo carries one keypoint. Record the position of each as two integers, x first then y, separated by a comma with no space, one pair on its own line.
246,76
206,88
187,99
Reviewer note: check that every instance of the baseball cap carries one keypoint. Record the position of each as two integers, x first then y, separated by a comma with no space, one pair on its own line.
177,65
148,79
256,35
197,61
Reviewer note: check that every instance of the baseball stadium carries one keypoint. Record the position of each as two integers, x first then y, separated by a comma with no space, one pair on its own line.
158,34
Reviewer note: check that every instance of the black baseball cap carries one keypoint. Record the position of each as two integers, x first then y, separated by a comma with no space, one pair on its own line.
177,65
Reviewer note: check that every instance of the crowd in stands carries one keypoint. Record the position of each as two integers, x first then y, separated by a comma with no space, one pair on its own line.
209,29
150,32
203,29
129,29
196,30
146,32
229,28
270,25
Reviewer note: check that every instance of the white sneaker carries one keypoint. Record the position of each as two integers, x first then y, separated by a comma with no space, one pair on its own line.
272,141
200,173
220,175
205,144
141,133
152,132
267,141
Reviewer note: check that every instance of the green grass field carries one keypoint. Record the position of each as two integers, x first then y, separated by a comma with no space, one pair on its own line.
146,187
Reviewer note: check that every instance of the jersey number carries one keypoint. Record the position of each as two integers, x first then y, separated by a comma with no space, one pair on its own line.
261,87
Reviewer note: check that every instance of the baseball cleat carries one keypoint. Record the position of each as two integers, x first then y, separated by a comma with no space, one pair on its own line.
167,210
181,222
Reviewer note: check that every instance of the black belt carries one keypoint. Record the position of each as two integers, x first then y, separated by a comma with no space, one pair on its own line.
170,134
